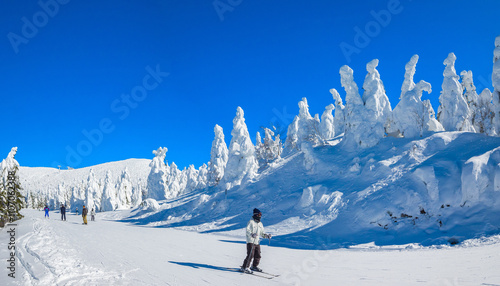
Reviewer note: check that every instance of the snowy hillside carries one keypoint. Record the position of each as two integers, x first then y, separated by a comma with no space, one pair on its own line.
52,186
443,188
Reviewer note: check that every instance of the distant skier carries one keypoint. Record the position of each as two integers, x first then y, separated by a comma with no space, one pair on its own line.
92,215
76,210
84,214
46,209
63,212
255,230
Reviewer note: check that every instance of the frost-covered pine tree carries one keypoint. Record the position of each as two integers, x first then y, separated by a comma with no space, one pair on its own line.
11,198
354,110
259,151
378,108
339,119
174,181
486,113
109,196
495,78
92,198
412,117
480,105
241,163
218,157
124,190
202,177
304,128
453,113
472,99
326,126
270,150
191,179
157,187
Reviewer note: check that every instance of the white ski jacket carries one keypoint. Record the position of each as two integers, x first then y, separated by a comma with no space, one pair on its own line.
255,227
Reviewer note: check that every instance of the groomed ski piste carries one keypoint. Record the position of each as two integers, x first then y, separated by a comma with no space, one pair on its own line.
109,252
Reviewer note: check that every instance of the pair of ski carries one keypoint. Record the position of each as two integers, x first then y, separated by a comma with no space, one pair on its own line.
262,274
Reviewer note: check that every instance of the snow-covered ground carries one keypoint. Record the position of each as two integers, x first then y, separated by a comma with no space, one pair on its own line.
111,252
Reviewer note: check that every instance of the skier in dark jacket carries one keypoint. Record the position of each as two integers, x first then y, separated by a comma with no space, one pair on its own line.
46,209
84,214
254,230
63,212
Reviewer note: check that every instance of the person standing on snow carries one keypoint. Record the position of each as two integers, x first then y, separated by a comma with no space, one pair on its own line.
46,209
76,210
254,231
84,214
92,215
63,212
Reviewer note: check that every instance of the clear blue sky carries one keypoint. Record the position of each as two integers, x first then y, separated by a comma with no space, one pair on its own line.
69,73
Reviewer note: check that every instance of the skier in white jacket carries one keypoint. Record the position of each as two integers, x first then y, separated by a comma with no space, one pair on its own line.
255,230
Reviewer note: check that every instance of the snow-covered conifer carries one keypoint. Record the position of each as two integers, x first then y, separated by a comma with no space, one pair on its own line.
495,78
326,126
92,191
124,190
10,206
218,157
109,196
202,177
339,119
241,162
453,113
157,180
354,109
412,116
377,105
191,179
304,128
174,181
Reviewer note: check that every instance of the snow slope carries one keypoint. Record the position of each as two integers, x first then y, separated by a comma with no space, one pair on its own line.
443,188
40,177
70,186
109,252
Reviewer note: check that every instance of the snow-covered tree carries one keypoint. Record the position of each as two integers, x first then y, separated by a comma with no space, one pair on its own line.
157,180
377,105
495,78
174,181
124,191
270,150
339,119
304,128
354,110
326,126
218,157
480,105
241,163
412,116
92,198
191,179
109,196
202,176
453,113
11,199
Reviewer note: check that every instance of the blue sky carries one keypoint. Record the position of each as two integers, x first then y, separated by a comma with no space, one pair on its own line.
70,68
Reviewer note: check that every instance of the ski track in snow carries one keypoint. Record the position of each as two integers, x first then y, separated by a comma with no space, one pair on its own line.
48,259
